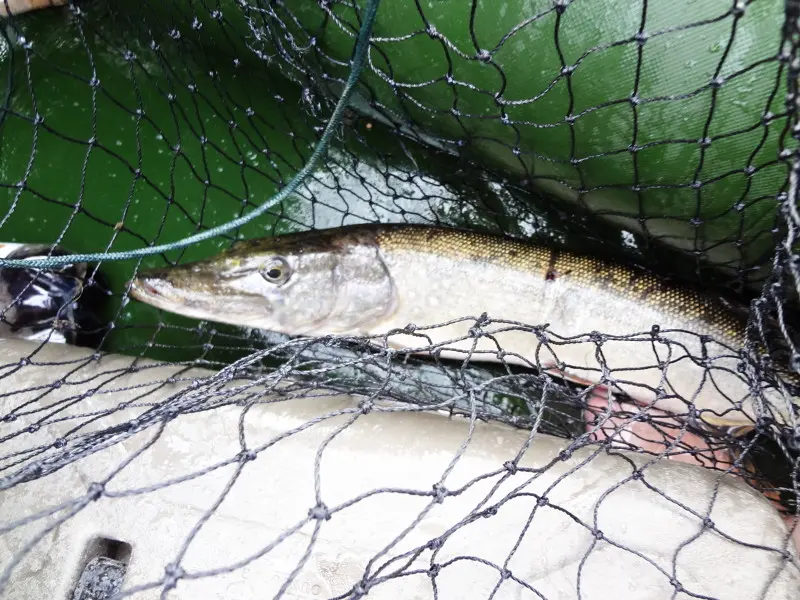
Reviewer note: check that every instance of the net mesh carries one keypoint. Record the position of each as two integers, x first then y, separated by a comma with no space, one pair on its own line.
649,133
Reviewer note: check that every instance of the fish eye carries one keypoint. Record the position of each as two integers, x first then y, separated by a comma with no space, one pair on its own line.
276,270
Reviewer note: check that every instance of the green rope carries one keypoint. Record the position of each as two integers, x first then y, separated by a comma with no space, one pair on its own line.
360,54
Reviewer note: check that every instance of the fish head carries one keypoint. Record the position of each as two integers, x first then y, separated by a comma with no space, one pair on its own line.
313,283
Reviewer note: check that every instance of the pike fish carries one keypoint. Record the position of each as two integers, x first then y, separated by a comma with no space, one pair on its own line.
578,317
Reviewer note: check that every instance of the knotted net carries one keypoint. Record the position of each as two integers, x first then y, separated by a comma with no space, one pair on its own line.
651,133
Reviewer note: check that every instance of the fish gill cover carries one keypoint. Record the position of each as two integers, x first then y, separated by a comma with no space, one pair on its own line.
658,134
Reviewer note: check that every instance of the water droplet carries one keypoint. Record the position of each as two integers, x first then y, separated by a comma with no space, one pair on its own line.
628,239
119,142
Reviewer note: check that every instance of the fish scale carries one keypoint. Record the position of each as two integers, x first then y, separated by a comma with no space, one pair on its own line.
661,343
587,271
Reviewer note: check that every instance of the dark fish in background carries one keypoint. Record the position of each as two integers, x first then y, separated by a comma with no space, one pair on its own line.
59,305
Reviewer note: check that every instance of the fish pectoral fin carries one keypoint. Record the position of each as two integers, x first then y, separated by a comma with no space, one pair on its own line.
734,426
553,369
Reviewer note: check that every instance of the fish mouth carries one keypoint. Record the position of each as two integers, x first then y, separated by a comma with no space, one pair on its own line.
195,293
156,289
151,289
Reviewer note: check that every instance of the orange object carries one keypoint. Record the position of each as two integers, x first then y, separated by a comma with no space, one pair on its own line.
17,7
